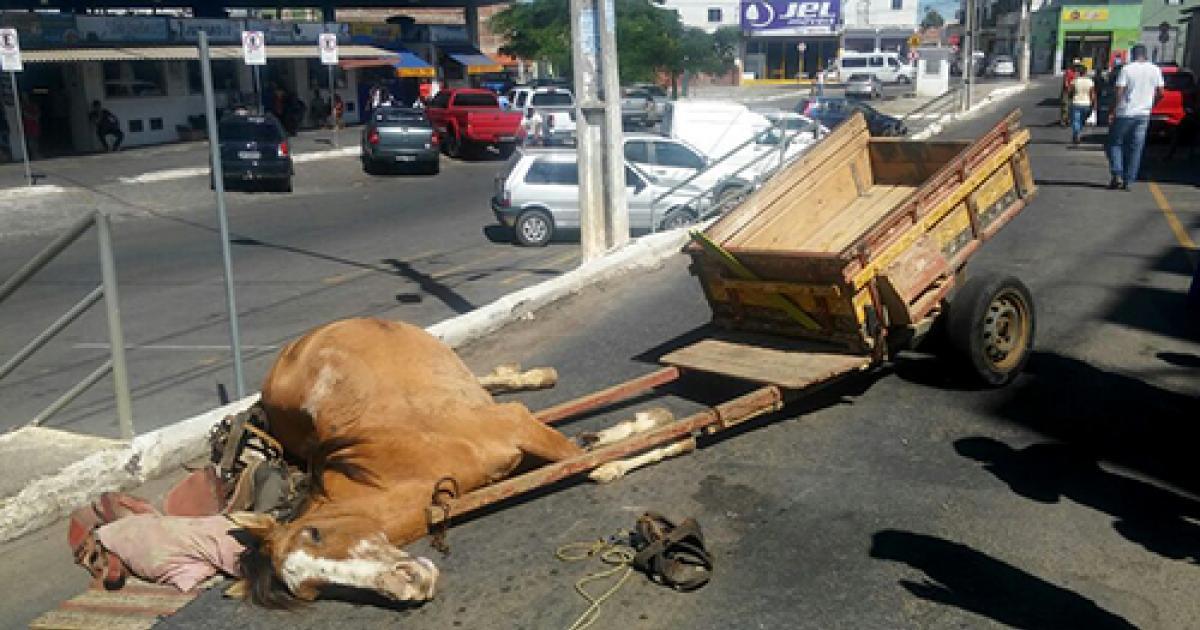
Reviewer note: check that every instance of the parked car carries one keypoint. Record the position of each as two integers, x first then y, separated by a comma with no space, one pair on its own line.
557,108
469,121
864,85
396,136
831,111
1001,66
637,107
537,195
888,67
254,150
659,97
977,58
1180,96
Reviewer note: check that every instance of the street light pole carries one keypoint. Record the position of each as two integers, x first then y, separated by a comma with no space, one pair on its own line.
1025,31
617,210
585,47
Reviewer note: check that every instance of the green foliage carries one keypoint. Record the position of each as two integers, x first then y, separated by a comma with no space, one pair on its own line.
650,39
932,19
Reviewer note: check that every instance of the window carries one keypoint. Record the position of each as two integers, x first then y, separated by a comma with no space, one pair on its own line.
552,99
631,178
134,79
519,102
714,15
676,156
553,173
892,63
441,100
135,125
876,62
854,63
897,5
472,99
637,152
156,124
254,128
224,76
402,116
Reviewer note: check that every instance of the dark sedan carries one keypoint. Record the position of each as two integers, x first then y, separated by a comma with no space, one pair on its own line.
399,137
254,150
831,111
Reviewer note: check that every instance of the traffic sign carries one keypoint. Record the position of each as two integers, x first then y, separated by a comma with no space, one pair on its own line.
10,50
914,40
254,48
327,42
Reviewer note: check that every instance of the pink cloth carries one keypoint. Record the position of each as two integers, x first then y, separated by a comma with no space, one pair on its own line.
178,550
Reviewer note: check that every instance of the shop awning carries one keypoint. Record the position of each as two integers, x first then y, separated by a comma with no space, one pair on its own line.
407,64
476,62
184,53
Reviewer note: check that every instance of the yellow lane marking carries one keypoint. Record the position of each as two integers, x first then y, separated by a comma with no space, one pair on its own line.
457,268
1173,220
554,262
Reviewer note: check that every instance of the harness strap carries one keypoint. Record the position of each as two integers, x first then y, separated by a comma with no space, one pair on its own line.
444,490
674,554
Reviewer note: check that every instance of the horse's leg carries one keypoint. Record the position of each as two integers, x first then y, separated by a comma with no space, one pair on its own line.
535,438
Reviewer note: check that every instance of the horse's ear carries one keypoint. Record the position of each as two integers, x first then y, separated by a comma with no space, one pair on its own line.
257,525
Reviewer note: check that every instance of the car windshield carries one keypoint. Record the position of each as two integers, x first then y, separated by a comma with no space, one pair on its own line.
552,99
476,100
400,116
257,129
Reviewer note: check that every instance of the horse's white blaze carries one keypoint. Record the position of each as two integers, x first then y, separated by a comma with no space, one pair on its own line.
373,565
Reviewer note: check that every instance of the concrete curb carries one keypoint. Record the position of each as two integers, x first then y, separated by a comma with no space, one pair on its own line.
153,454
995,96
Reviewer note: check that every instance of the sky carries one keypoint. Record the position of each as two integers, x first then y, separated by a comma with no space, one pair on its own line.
946,7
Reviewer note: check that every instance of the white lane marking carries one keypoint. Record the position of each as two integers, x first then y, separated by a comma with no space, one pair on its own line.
165,175
23,192
325,155
169,347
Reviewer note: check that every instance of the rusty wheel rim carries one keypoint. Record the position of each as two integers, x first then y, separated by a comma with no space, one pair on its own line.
1005,331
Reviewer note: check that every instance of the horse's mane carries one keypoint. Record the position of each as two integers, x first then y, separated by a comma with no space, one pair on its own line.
264,588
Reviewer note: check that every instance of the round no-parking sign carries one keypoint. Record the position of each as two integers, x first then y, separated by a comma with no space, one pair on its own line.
254,48
10,50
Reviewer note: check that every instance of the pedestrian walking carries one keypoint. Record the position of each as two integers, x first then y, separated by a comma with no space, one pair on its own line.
339,110
1138,86
1064,97
31,123
106,124
1083,101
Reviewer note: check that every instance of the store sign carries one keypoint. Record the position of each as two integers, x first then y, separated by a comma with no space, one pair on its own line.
781,17
94,28
1084,15
10,51
254,48
327,42
219,31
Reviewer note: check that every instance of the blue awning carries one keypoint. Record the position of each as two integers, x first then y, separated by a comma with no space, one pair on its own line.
477,62
410,65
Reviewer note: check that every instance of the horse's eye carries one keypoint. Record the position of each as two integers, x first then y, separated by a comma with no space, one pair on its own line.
313,534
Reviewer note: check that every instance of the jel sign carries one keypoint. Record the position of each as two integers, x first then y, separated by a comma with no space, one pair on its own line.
782,17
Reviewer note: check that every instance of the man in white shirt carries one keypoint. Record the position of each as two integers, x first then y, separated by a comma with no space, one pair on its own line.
1139,85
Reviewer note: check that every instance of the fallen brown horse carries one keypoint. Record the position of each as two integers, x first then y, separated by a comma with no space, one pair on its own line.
384,413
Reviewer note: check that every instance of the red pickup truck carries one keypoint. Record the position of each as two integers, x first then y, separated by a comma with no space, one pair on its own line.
470,120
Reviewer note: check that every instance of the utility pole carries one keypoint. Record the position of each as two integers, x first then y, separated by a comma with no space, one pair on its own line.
1025,30
585,49
616,209
968,52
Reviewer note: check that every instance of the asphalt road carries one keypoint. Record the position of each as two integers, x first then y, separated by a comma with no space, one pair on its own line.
409,247
905,498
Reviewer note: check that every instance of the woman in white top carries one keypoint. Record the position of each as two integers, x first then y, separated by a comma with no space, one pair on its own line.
1083,100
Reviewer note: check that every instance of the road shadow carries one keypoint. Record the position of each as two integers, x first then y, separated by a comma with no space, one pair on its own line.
1154,517
1071,184
498,234
1157,310
1114,417
1181,359
959,576
451,298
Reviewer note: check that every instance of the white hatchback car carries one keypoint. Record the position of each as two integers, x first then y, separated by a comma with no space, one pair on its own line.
537,194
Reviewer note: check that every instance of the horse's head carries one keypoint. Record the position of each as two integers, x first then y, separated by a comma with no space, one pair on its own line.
322,548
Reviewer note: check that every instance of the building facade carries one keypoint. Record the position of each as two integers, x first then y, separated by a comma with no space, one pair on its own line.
708,15
1096,34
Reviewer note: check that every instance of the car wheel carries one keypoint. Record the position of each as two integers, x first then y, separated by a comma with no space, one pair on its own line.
506,150
454,146
433,168
284,185
991,325
677,218
533,228
370,167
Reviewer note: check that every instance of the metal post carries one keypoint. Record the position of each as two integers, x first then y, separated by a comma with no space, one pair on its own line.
1024,29
968,57
116,338
617,208
258,96
21,128
337,138
584,50
218,176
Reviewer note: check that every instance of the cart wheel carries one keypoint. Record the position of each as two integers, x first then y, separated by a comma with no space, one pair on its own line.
991,325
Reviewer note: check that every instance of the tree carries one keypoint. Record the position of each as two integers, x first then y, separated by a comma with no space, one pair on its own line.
933,19
650,39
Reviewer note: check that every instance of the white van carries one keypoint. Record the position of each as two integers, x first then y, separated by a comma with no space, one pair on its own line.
888,67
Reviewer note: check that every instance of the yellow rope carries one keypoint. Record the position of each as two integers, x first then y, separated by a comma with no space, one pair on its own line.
620,561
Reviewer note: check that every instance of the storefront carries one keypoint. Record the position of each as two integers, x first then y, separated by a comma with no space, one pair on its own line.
1095,34
789,41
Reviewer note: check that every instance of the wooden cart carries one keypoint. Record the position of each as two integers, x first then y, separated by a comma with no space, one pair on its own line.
850,254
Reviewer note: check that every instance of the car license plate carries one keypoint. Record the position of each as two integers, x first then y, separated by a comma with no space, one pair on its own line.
249,155
406,158
507,138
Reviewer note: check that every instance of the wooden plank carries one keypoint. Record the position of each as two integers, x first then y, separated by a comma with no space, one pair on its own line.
856,219
789,369
136,606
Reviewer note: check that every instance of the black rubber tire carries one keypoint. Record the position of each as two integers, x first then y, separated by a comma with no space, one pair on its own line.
506,150
370,167
677,218
533,228
285,186
454,146
433,168
991,324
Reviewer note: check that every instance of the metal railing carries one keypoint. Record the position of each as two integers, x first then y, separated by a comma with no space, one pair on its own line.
945,103
786,138
106,289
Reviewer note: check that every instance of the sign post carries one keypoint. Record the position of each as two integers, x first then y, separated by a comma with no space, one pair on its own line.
10,62
218,181
254,51
327,42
